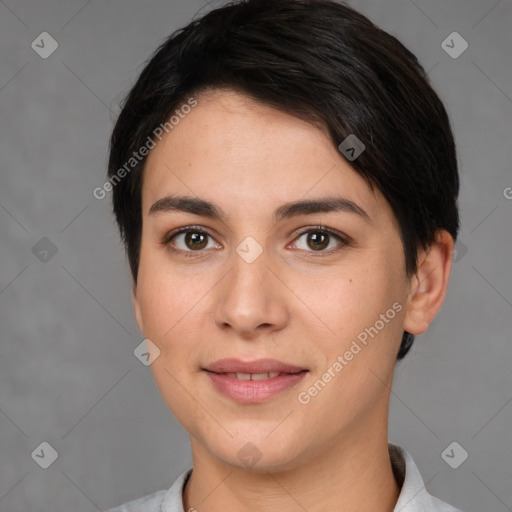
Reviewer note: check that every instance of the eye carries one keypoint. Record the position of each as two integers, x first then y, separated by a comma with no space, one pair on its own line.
188,240
194,239
319,239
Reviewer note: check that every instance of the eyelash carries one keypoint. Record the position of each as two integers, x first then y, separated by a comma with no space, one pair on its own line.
196,229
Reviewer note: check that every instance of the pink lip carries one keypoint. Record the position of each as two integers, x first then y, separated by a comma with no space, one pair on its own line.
253,391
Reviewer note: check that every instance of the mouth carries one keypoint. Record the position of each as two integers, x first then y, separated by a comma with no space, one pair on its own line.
253,381
252,376
258,367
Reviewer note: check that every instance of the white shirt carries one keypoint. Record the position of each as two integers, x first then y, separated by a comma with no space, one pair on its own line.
413,495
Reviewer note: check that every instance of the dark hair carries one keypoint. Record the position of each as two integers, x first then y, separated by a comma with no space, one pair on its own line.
323,62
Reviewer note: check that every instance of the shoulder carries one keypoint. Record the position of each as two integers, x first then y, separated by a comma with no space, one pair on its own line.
413,497
149,503
167,500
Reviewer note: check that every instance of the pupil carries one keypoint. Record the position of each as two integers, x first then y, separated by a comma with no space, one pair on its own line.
195,238
316,237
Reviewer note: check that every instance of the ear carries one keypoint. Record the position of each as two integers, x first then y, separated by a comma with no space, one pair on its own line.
136,307
428,286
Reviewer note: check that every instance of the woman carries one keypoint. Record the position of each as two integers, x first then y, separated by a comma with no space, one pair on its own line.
285,183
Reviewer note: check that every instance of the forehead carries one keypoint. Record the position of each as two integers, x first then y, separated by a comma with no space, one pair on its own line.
244,154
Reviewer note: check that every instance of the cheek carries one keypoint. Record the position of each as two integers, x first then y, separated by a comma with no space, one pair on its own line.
169,317
155,304
363,309
355,360
162,294
172,304
348,303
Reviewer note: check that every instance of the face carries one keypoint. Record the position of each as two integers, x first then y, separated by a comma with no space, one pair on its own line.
328,307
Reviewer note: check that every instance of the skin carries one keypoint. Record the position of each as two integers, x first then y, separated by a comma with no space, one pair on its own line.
290,304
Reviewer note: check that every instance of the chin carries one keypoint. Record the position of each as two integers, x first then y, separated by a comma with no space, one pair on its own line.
258,456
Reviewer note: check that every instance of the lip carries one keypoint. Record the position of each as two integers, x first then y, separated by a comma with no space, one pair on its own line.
253,391
230,365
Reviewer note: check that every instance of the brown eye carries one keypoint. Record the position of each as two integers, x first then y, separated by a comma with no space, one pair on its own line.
319,239
195,241
188,240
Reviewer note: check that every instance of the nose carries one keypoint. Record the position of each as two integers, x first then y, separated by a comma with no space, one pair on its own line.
251,299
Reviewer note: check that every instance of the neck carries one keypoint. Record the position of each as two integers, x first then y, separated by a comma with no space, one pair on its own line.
353,474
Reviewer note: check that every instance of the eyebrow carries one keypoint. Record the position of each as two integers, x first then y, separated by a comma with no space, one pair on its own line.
206,208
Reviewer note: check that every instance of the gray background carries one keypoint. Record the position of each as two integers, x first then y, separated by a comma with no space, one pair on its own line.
68,375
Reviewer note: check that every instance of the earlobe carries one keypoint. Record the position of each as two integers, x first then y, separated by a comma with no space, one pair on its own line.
429,284
136,308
